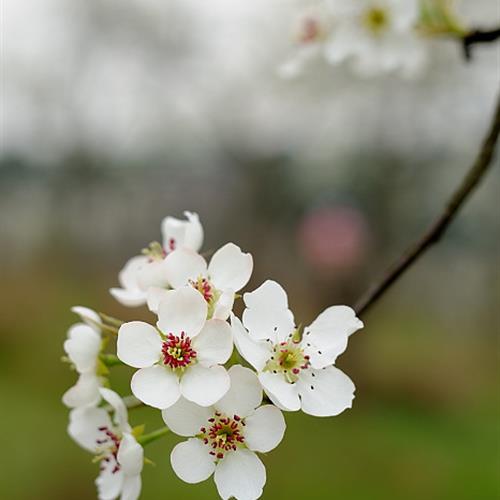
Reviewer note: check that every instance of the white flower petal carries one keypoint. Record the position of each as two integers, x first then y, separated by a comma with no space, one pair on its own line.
128,275
256,352
325,393
329,333
88,316
281,392
139,344
270,294
230,268
214,344
244,395
120,410
130,455
204,386
154,296
241,475
109,484
129,298
264,429
186,418
224,305
152,273
131,488
84,393
182,234
182,310
84,426
83,346
156,386
191,461
183,265
267,315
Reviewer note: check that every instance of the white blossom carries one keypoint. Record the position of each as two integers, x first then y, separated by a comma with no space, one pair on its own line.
112,442
143,272
228,272
376,36
183,355
296,373
225,437
82,346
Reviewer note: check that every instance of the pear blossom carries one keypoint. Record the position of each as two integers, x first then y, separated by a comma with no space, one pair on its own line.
228,272
296,371
225,437
88,316
144,271
182,356
112,442
82,346
376,36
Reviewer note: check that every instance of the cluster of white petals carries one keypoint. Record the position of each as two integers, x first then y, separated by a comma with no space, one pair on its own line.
185,366
372,36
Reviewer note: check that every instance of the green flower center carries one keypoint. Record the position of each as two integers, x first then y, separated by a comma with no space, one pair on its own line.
288,358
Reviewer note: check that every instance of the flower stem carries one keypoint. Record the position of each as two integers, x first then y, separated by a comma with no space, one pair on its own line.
110,320
153,436
110,360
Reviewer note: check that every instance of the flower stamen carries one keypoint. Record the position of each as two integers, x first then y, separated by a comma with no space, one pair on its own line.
177,351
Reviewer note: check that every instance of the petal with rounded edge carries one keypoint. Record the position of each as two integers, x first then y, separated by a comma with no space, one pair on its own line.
156,386
120,410
326,392
240,474
131,488
82,347
281,392
152,273
267,315
128,275
109,484
84,393
191,461
183,265
139,344
84,426
214,344
129,298
264,429
329,333
244,394
88,316
182,310
204,385
130,455
186,418
230,268
256,352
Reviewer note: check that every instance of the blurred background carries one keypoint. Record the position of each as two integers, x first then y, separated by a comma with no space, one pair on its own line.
115,114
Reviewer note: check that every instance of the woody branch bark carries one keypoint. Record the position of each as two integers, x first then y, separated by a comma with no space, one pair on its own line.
434,233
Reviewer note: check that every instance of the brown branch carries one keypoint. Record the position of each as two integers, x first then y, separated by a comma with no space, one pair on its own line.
478,36
437,229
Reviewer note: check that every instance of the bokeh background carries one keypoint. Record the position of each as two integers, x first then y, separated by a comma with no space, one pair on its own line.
116,113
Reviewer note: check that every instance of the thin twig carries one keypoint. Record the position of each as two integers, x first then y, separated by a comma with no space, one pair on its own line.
478,36
436,230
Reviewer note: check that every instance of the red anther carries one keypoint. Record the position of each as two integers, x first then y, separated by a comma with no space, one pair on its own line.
296,371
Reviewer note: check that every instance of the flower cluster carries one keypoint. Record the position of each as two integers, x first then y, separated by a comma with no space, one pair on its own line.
227,402
372,36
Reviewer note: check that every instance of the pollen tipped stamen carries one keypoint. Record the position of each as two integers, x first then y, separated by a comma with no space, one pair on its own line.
223,434
177,351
